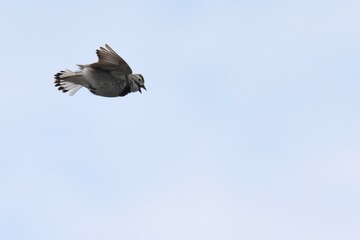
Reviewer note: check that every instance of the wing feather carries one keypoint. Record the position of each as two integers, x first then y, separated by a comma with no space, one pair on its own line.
109,60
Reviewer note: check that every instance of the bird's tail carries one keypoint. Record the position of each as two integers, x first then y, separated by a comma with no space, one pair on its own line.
68,81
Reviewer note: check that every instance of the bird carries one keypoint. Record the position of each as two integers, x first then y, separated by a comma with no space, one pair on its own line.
110,76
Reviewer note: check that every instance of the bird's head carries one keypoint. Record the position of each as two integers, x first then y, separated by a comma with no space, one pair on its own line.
136,82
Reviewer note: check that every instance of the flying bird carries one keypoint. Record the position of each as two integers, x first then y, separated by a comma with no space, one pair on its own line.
111,76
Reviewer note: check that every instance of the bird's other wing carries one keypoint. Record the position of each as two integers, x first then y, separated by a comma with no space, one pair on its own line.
109,60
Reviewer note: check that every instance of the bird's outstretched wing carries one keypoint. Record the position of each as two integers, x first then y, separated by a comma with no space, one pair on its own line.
109,60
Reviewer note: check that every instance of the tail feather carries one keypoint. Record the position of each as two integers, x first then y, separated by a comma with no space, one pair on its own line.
68,81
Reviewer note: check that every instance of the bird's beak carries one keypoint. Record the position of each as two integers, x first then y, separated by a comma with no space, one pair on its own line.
143,88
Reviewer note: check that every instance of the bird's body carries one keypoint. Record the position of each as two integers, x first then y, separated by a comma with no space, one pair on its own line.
111,76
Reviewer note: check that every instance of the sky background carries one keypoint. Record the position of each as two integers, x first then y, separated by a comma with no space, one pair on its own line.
249,128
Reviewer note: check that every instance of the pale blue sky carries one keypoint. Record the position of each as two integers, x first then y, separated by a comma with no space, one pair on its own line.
249,128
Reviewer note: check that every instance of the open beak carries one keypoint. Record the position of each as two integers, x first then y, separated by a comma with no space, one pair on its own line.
143,88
